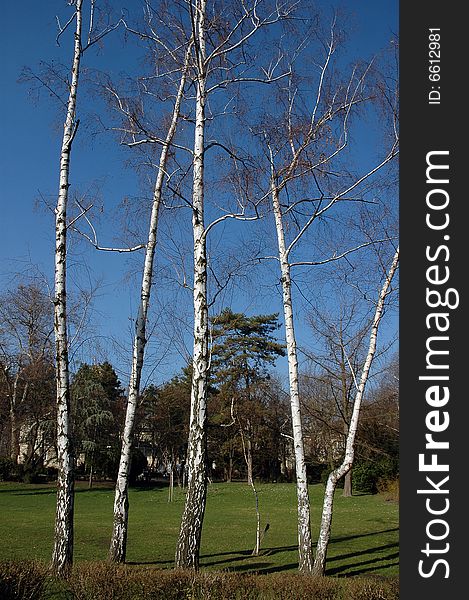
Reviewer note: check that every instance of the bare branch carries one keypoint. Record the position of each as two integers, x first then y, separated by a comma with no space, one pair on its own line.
64,28
94,240
335,256
268,79
91,20
213,144
257,23
323,72
338,197
103,33
237,216
83,212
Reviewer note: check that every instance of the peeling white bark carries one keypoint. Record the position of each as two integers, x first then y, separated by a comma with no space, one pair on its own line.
305,553
336,474
188,545
118,545
63,539
248,458
347,493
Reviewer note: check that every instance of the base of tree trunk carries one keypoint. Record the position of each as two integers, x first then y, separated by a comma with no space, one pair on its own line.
347,493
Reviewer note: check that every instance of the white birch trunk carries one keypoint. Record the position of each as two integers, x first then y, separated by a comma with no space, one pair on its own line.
188,545
305,553
63,538
336,474
257,547
249,461
347,493
118,544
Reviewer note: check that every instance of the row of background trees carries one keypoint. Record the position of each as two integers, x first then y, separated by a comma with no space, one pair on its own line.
247,402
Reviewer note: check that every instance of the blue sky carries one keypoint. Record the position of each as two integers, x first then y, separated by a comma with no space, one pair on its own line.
30,129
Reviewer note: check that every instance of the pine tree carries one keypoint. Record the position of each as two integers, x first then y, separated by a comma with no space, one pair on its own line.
243,348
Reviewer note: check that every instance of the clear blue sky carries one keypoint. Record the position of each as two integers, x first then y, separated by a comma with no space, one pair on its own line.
30,129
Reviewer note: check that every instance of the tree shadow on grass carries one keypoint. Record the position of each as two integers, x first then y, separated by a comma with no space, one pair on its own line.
32,492
234,556
364,566
355,568
388,558
362,571
243,555
228,560
364,552
347,538
254,567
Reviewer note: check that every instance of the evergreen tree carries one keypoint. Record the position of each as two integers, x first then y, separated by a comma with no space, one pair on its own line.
96,390
242,351
164,422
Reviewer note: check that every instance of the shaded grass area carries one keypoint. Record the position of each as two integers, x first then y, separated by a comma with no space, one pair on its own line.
364,536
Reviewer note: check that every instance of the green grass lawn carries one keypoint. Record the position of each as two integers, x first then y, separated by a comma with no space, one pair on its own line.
364,533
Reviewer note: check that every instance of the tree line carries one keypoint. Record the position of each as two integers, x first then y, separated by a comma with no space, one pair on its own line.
246,395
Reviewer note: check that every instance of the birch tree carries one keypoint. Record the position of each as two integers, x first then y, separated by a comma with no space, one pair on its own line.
187,550
117,549
346,465
307,182
188,27
63,538
220,60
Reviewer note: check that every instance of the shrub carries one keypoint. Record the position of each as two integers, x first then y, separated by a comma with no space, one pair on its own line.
372,588
103,581
7,467
52,473
368,476
365,478
30,473
23,580
106,581
389,488
294,586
